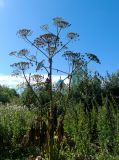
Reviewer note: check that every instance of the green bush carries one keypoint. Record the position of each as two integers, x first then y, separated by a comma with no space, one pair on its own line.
96,134
15,121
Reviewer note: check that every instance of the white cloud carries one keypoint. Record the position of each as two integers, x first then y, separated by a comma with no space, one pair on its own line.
2,3
12,81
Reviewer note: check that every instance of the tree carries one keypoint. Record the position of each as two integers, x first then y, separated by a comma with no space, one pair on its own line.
88,90
111,86
7,95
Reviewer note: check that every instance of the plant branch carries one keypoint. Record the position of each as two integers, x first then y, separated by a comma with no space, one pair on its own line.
30,86
61,48
58,70
36,47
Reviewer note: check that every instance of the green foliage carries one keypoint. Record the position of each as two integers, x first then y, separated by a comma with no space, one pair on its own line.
97,133
15,121
93,135
27,97
7,95
76,125
111,86
87,90
108,130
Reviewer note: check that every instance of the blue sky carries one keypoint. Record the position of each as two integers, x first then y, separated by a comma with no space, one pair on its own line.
96,21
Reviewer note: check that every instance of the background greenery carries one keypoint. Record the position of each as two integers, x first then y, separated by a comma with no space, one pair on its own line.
91,122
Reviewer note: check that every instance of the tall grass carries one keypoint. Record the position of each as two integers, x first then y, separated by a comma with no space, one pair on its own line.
95,134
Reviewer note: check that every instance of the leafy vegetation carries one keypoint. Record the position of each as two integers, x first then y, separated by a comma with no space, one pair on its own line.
8,95
94,136
74,121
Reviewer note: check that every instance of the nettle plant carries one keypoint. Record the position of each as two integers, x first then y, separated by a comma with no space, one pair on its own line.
48,45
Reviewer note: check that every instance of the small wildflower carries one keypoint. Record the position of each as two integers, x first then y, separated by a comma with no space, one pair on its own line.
93,57
23,52
58,21
24,32
21,65
72,35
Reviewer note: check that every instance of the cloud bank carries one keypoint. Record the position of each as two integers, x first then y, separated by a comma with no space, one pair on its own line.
12,81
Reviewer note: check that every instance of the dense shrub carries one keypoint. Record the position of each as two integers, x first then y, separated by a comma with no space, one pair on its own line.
15,121
8,95
96,134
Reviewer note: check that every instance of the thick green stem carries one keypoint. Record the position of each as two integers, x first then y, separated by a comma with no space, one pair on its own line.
50,77
51,123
